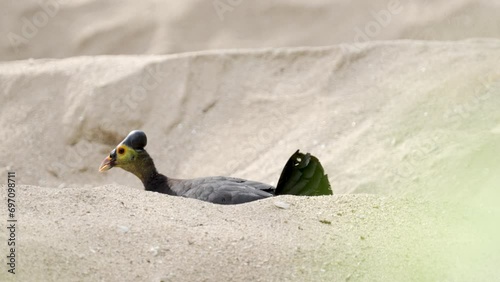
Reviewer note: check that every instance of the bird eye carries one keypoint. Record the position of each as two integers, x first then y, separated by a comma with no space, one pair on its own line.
121,151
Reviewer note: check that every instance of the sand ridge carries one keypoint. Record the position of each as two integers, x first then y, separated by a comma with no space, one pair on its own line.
73,228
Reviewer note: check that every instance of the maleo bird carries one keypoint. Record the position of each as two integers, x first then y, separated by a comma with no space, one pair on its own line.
302,175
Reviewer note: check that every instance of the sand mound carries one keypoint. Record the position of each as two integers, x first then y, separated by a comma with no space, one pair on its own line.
101,233
408,131
408,118
383,114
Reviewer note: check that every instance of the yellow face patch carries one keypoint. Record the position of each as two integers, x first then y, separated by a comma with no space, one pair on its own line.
124,155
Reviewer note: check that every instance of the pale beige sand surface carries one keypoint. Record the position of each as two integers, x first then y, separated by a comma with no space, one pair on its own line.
408,131
61,28
415,124
115,232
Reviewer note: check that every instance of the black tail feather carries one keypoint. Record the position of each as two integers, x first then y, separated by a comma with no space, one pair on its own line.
303,175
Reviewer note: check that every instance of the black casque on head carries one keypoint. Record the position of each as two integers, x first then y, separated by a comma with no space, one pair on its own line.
136,140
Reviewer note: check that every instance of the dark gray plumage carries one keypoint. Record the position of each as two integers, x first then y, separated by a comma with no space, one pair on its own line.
221,190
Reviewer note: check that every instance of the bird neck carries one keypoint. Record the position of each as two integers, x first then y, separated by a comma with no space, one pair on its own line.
158,183
146,171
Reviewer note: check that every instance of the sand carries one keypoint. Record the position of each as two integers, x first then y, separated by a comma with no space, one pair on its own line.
106,232
406,124
62,28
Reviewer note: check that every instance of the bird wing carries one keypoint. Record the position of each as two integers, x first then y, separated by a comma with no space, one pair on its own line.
222,190
303,175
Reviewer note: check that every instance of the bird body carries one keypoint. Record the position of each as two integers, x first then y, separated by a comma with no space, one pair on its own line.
302,175
221,190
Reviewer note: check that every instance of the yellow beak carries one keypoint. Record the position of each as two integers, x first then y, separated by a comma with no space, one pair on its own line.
106,164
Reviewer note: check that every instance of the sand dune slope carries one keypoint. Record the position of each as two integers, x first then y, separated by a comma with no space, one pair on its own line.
59,28
413,124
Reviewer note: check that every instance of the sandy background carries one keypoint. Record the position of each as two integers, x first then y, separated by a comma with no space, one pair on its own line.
408,131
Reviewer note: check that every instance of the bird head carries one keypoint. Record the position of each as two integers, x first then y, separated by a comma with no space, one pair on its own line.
127,154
